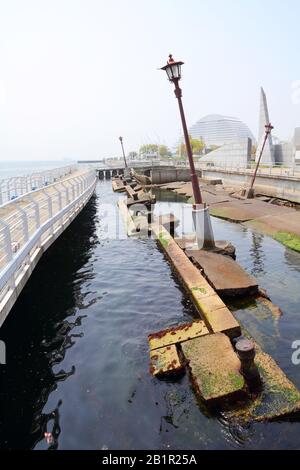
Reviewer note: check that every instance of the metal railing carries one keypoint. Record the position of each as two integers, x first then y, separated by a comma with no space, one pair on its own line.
11,188
265,169
30,225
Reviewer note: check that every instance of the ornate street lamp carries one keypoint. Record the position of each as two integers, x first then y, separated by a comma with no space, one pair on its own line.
121,140
201,217
126,171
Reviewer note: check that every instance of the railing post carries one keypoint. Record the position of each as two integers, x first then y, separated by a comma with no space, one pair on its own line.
59,197
67,191
49,201
24,220
7,241
37,211
8,190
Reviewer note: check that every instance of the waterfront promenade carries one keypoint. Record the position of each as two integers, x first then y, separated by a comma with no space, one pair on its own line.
30,223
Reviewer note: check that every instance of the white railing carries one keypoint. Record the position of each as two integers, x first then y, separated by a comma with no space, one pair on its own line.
265,169
11,188
28,227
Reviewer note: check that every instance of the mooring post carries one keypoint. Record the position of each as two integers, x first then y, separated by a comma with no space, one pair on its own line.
246,352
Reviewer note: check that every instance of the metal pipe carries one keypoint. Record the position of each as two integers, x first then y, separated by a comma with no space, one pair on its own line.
269,128
194,179
121,140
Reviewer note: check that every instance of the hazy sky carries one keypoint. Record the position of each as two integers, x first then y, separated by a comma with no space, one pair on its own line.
76,74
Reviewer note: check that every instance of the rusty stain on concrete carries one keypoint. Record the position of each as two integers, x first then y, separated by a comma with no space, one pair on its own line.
177,334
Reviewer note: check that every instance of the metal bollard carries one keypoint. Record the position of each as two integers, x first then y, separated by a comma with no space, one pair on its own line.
246,352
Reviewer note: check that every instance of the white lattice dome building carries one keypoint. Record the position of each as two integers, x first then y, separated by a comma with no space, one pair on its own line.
215,129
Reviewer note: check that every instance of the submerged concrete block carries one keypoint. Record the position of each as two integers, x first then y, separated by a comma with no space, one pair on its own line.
214,366
177,334
214,312
165,360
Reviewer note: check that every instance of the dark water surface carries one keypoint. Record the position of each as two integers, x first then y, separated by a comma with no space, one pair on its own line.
77,352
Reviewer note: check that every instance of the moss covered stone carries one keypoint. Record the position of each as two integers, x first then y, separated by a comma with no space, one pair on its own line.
291,240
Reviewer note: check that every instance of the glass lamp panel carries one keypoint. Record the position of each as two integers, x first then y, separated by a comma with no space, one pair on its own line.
175,71
179,70
169,73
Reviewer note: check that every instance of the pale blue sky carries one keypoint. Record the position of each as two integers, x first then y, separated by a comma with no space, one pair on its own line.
76,74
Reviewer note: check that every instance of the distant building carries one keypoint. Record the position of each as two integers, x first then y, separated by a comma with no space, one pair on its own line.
268,155
218,130
276,151
297,143
234,154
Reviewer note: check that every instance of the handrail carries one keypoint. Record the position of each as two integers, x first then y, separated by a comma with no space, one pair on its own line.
17,261
16,186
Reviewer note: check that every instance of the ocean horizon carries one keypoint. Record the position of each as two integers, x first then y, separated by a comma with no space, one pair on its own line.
12,168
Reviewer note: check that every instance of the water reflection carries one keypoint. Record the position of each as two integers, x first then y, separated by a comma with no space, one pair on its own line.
257,254
41,327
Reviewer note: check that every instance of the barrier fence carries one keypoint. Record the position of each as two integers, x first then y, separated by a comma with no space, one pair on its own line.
11,188
28,226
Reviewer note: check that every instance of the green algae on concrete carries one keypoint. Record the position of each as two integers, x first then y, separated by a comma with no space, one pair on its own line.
214,366
212,310
278,398
163,239
291,240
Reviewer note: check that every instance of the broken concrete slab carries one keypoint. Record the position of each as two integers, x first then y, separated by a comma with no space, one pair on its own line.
143,198
284,228
165,361
224,274
189,242
177,334
217,319
243,211
118,185
173,185
214,366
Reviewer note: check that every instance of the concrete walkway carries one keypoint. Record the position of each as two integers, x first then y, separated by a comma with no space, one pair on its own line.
280,222
11,214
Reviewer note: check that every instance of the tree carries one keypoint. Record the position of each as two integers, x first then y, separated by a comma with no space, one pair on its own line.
163,151
149,148
197,147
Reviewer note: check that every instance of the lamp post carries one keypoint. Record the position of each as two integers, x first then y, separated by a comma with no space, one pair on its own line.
201,217
121,140
268,130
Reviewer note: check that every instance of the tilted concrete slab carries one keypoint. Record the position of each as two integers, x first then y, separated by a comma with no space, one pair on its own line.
143,198
242,211
214,366
177,334
165,360
174,185
225,275
118,185
284,228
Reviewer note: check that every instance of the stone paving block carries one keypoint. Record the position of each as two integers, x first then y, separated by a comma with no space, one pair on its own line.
177,334
225,275
214,312
165,360
214,366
